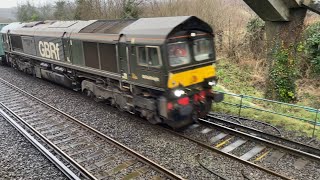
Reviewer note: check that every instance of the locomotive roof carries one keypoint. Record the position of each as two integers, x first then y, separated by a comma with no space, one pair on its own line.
45,28
154,30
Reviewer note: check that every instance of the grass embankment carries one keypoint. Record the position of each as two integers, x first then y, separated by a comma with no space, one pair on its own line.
239,80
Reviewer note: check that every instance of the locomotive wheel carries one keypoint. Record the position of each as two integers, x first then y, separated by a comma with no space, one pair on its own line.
88,93
195,116
153,119
113,102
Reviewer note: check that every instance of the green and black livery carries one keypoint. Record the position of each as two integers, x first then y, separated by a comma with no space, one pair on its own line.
161,68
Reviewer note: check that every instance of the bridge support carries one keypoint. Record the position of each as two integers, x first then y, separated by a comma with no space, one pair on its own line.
284,26
284,37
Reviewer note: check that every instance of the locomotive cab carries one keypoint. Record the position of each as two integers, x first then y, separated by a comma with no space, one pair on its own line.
175,57
190,55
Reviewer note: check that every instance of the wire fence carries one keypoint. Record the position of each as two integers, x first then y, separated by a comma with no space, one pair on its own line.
262,109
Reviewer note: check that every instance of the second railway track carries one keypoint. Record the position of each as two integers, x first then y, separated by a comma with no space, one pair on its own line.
213,118
94,154
255,148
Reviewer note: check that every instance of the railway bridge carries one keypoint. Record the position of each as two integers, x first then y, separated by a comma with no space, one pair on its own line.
284,18
281,10
284,25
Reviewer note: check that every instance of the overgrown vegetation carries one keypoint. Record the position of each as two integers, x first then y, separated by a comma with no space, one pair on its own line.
80,10
256,37
28,12
238,79
283,75
290,124
312,48
230,82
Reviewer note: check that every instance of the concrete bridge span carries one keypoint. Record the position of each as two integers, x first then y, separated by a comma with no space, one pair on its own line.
284,26
280,10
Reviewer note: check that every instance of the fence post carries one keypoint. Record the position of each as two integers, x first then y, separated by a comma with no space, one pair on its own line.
315,124
239,115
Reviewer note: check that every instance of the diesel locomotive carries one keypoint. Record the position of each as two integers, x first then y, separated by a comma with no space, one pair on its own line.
160,68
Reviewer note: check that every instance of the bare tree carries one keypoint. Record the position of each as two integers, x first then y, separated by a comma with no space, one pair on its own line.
64,10
45,11
108,9
27,12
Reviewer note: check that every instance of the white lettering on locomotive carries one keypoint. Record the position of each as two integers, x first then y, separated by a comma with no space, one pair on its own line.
49,50
151,78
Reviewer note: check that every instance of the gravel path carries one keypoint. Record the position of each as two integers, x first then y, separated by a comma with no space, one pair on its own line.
20,159
170,151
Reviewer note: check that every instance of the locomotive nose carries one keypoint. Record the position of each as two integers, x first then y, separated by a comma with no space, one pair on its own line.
190,77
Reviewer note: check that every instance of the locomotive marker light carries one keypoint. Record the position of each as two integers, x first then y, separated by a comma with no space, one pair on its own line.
179,92
212,83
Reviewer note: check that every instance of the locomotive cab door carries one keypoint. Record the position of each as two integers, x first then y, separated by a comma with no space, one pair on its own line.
67,43
124,61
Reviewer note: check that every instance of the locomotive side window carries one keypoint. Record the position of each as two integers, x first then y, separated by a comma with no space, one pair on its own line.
202,49
179,54
142,58
153,56
28,45
149,56
16,43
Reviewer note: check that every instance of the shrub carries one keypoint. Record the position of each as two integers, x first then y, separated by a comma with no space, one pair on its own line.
255,37
283,75
312,47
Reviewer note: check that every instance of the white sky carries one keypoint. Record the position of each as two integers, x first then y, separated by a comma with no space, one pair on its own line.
9,3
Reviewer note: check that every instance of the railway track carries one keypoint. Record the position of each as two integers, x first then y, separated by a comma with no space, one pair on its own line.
253,147
89,153
212,118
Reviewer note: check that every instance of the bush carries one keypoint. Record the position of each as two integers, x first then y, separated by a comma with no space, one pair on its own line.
283,75
255,25
312,47
255,37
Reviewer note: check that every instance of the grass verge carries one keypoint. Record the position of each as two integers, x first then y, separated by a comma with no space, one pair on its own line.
290,124
237,79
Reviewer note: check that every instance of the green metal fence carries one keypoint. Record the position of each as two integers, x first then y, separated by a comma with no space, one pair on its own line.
243,103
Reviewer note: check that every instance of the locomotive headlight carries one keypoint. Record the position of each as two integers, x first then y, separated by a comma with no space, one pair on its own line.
179,92
212,83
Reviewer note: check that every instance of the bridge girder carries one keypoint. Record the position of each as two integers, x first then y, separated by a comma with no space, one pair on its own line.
279,10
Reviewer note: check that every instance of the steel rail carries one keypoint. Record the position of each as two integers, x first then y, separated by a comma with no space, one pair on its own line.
267,136
78,166
236,118
237,133
39,146
152,164
211,171
211,148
